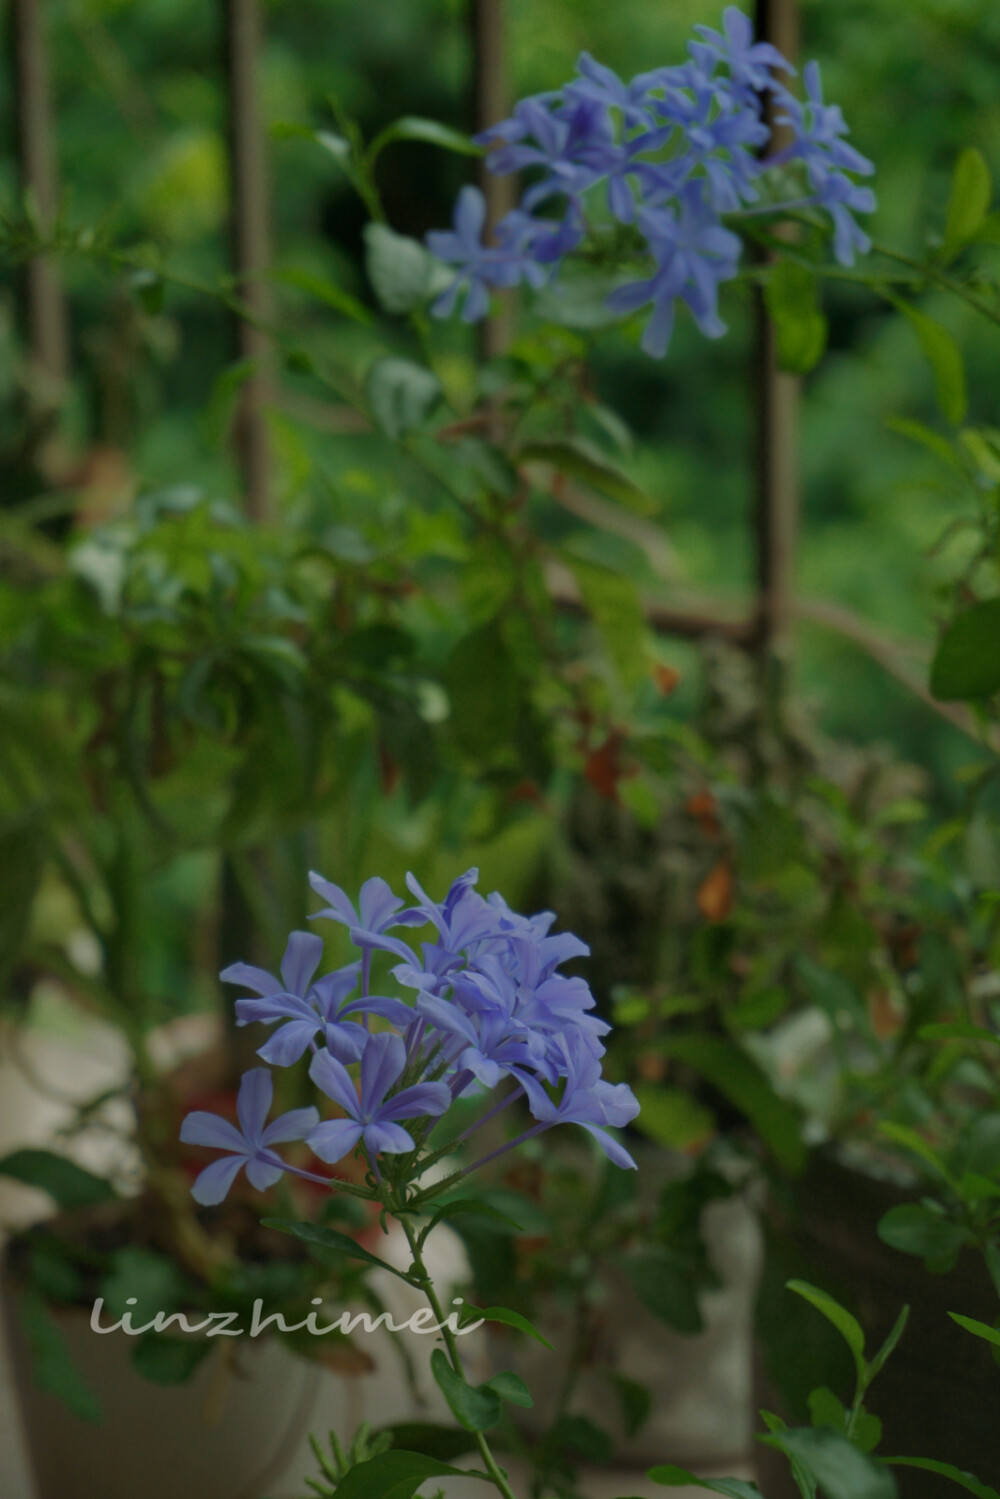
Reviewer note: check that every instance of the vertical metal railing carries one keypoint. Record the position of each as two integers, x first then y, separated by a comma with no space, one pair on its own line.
44,304
776,394
250,241
491,103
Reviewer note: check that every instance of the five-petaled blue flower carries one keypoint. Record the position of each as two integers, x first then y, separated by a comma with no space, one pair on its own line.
248,1146
372,1118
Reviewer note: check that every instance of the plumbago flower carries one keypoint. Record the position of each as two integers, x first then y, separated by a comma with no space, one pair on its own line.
486,1008
487,1004
681,155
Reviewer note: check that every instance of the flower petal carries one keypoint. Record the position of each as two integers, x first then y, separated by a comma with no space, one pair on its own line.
334,1138
253,1103
208,1129
214,1182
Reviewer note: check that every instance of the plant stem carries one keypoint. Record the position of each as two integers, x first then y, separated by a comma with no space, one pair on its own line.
419,1271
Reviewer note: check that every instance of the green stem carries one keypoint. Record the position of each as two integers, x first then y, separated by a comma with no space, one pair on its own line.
451,1343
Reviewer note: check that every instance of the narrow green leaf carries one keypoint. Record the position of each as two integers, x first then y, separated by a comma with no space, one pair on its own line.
800,327
978,1329
329,1238
957,1030
612,601
742,1081
672,1477
458,1207
967,662
165,1360
579,459
671,1117
927,438
510,1319
510,1387
68,1184
394,1475
909,1139
220,408
968,202
52,1365
848,1326
947,1470
414,128
324,291
898,1327
664,1285
942,354
475,1408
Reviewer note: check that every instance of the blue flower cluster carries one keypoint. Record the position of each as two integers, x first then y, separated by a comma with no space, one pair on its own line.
677,150
487,1003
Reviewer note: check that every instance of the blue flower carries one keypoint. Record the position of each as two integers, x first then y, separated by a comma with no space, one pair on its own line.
587,1099
819,132
693,254
249,1146
602,86
479,266
749,62
372,1118
378,909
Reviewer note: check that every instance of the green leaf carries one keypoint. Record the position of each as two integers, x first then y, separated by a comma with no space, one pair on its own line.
671,1117
635,1401
153,1280
825,1409
401,394
458,1207
957,1030
67,1183
613,603
831,1461
800,327
325,291
477,1409
428,1439
967,662
510,1387
149,288
968,202
485,691
983,446
978,1329
399,268
672,1477
220,408
582,1438
742,1081
165,1360
330,1239
942,354
579,459
413,128
394,1475
898,1327
510,1319
52,1366
916,1230
666,1287
932,441
849,1327
947,1470
909,1139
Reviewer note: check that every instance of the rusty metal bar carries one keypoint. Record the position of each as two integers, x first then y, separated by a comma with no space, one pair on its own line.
44,304
490,104
250,235
777,406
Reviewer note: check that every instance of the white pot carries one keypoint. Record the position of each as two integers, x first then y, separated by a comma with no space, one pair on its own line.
224,1434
